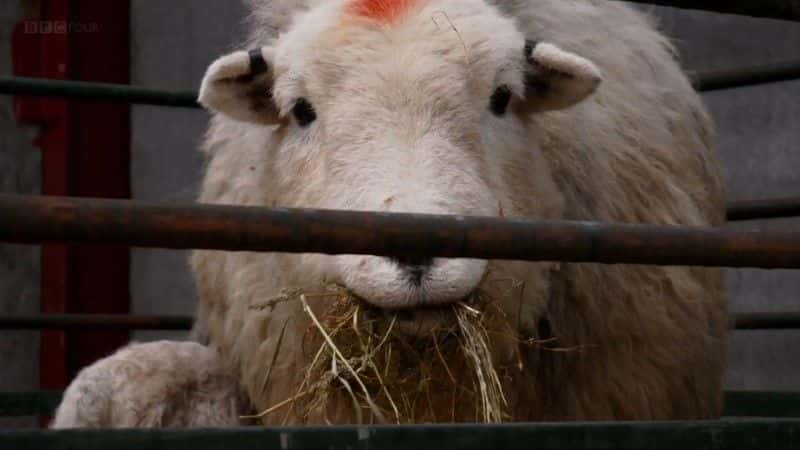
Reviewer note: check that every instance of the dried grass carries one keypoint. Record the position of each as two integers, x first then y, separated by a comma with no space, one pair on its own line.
364,369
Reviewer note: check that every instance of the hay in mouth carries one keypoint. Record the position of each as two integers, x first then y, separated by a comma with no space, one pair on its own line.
363,370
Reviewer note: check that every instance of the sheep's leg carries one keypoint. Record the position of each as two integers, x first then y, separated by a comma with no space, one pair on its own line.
158,384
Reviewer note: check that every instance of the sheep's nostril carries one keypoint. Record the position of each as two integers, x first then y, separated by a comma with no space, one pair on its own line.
414,268
416,274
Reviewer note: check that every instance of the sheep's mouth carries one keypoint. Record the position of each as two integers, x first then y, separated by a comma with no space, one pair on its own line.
382,358
423,320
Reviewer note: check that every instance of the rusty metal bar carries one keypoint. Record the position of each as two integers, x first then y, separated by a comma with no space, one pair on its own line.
95,322
36,219
764,209
775,9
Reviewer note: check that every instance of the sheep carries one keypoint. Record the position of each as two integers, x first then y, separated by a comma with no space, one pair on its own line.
542,109
152,385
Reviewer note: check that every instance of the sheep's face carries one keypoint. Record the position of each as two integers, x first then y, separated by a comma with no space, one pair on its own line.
401,106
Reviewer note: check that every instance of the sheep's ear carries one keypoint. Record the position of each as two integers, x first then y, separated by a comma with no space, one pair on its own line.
557,79
239,85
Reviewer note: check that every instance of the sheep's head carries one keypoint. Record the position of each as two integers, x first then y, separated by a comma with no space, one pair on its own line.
400,106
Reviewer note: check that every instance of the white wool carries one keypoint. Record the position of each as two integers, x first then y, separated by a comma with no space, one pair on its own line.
403,125
157,384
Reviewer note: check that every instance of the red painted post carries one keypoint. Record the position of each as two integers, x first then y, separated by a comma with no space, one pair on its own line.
99,158
39,52
85,152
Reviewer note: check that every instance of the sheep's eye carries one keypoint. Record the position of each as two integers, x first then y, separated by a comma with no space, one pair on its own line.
499,101
303,112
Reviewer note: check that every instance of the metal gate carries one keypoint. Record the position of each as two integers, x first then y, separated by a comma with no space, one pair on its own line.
753,420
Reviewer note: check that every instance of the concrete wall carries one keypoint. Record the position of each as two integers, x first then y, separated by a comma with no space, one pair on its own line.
757,127
19,265
172,44
760,146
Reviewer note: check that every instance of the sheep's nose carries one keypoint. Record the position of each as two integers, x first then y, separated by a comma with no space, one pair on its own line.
398,283
414,268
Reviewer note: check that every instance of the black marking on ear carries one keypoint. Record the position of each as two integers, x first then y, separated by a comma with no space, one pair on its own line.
530,46
303,112
257,63
498,104
535,85
261,104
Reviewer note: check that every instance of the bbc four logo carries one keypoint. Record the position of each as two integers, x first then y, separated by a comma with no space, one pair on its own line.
59,27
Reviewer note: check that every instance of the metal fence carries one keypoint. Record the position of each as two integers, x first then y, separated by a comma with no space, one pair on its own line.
49,220
775,9
703,82
761,434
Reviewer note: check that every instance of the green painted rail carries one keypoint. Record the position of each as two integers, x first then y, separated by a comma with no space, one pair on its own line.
19,404
763,209
737,404
77,322
746,76
106,92
762,404
74,322
756,434
120,93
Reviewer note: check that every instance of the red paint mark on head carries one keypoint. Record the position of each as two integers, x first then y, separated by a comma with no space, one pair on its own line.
381,10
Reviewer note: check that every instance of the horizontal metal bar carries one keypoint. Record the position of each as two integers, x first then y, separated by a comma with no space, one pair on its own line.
766,321
19,404
95,322
764,209
737,403
36,219
704,81
751,321
775,9
757,434
747,76
106,92
762,404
